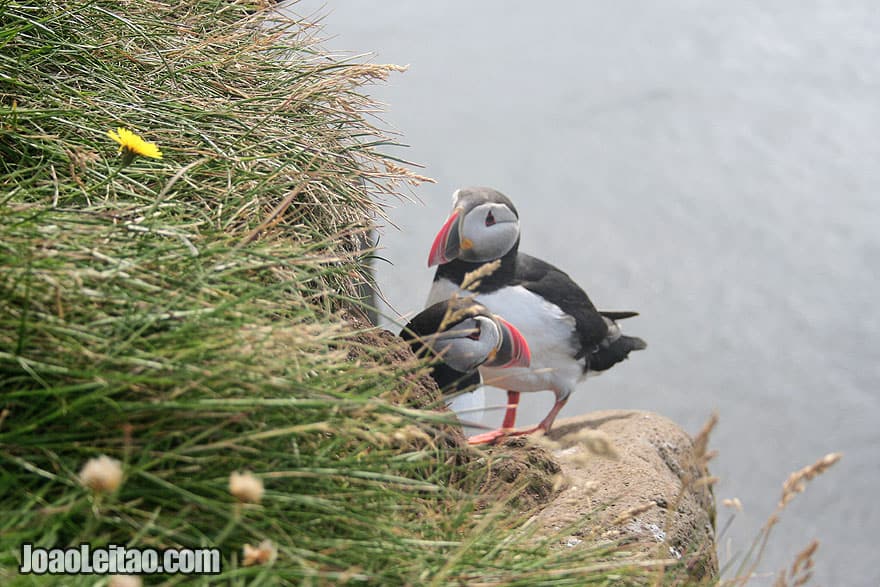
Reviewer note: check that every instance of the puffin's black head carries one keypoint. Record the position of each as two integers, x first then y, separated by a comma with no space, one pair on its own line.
465,335
483,226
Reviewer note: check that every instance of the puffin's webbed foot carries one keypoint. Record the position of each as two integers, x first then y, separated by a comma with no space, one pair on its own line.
490,437
495,436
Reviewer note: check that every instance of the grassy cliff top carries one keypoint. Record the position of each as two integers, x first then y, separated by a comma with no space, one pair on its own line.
190,316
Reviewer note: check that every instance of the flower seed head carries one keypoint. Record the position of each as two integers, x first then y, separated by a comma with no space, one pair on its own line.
261,554
101,475
246,487
734,503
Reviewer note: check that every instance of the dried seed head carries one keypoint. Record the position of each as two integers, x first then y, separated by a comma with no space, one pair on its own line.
411,434
472,279
406,175
706,481
801,570
632,512
101,474
701,440
263,553
804,560
734,503
246,487
595,441
456,311
797,481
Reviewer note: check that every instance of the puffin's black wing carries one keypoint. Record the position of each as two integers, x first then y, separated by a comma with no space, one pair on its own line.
598,339
555,286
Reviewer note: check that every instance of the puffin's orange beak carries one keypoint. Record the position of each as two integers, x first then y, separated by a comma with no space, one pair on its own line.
514,351
447,243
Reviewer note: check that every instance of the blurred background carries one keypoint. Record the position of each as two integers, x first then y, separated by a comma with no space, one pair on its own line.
712,165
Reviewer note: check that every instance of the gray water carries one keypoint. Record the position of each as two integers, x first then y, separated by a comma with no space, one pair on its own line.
713,165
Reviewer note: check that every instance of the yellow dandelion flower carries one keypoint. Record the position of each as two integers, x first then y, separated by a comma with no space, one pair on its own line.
133,144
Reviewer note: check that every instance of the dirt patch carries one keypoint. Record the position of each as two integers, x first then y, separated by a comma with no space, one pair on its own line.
521,470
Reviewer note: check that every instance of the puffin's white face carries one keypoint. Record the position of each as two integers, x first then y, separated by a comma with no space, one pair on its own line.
468,344
478,230
487,232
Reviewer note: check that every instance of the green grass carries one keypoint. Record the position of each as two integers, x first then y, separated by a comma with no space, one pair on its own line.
192,316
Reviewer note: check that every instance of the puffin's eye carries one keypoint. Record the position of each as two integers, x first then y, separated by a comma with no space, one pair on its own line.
490,219
475,333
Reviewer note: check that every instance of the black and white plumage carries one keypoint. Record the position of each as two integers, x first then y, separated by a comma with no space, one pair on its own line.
568,336
458,335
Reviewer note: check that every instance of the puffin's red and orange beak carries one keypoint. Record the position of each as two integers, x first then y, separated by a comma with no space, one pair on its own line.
514,351
447,243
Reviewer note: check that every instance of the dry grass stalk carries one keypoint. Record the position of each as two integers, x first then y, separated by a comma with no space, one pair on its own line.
701,442
413,436
801,570
473,278
596,443
633,512
409,176
456,311
275,216
796,482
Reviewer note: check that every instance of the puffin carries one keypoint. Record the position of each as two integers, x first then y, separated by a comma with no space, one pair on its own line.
458,335
568,337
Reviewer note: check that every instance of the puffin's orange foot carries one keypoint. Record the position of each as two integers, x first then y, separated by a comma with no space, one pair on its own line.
495,435
490,437
526,432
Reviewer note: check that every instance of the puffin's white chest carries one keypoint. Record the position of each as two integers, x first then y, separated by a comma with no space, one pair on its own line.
547,329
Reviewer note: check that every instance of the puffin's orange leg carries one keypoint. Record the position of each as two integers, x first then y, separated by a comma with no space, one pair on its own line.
495,435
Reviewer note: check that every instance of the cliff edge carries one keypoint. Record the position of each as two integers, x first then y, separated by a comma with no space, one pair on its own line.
630,477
